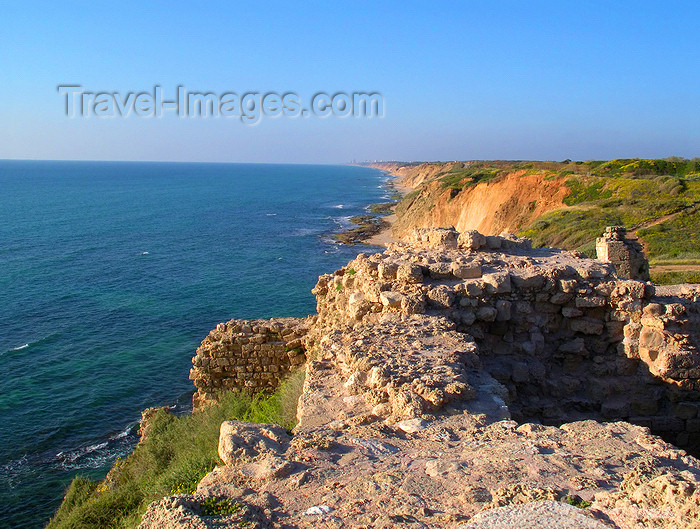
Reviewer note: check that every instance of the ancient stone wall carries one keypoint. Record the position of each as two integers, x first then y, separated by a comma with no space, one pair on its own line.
566,336
247,355
625,255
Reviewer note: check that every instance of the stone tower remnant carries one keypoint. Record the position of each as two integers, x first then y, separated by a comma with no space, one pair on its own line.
625,255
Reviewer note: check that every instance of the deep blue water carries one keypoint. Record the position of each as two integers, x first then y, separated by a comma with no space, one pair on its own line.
110,276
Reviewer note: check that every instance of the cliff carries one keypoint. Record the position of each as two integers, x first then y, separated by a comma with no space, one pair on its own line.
458,380
498,198
562,204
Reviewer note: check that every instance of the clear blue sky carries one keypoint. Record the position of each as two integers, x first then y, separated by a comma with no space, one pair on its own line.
460,80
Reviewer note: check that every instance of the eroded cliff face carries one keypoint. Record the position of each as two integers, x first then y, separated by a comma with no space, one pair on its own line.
506,204
421,359
410,176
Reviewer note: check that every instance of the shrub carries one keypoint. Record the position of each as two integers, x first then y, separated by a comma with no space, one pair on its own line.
177,453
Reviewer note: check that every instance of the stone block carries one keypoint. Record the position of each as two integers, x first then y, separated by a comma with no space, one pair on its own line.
645,407
474,287
586,326
667,424
571,312
686,410
528,279
590,302
486,314
520,372
241,441
497,283
493,242
387,271
466,271
503,309
568,285
440,270
651,338
561,298
409,273
391,299
471,240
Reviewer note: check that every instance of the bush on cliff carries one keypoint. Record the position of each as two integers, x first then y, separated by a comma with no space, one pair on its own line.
175,455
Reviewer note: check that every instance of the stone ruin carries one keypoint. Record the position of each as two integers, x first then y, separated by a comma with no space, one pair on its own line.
626,255
565,335
454,379
252,356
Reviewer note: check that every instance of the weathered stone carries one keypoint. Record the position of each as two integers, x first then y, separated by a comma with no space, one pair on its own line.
497,283
391,299
503,308
387,271
571,312
471,240
528,279
241,441
409,273
493,242
466,271
440,270
486,314
586,325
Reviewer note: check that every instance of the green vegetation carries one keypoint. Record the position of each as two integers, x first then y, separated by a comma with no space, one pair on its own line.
675,277
635,193
581,192
577,502
676,238
656,199
458,179
174,457
219,507
383,208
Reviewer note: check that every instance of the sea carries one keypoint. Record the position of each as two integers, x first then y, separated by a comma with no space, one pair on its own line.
112,273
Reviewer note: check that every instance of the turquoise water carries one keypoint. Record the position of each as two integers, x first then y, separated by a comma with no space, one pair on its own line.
110,276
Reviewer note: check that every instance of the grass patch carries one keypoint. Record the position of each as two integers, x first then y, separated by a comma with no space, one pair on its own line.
456,180
577,502
177,453
675,277
628,193
219,507
677,238
583,191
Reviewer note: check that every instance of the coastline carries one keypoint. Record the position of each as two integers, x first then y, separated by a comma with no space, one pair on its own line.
376,230
385,236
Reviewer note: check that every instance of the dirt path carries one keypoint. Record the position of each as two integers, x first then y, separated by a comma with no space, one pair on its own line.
648,224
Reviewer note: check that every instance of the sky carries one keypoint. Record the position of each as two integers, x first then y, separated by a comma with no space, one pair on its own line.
458,80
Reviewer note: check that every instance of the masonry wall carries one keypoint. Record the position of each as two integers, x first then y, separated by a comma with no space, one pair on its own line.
251,356
566,336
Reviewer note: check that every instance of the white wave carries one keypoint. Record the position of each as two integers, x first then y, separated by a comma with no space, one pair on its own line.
13,466
19,348
123,434
144,253
338,206
95,447
301,232
344,222
270,214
